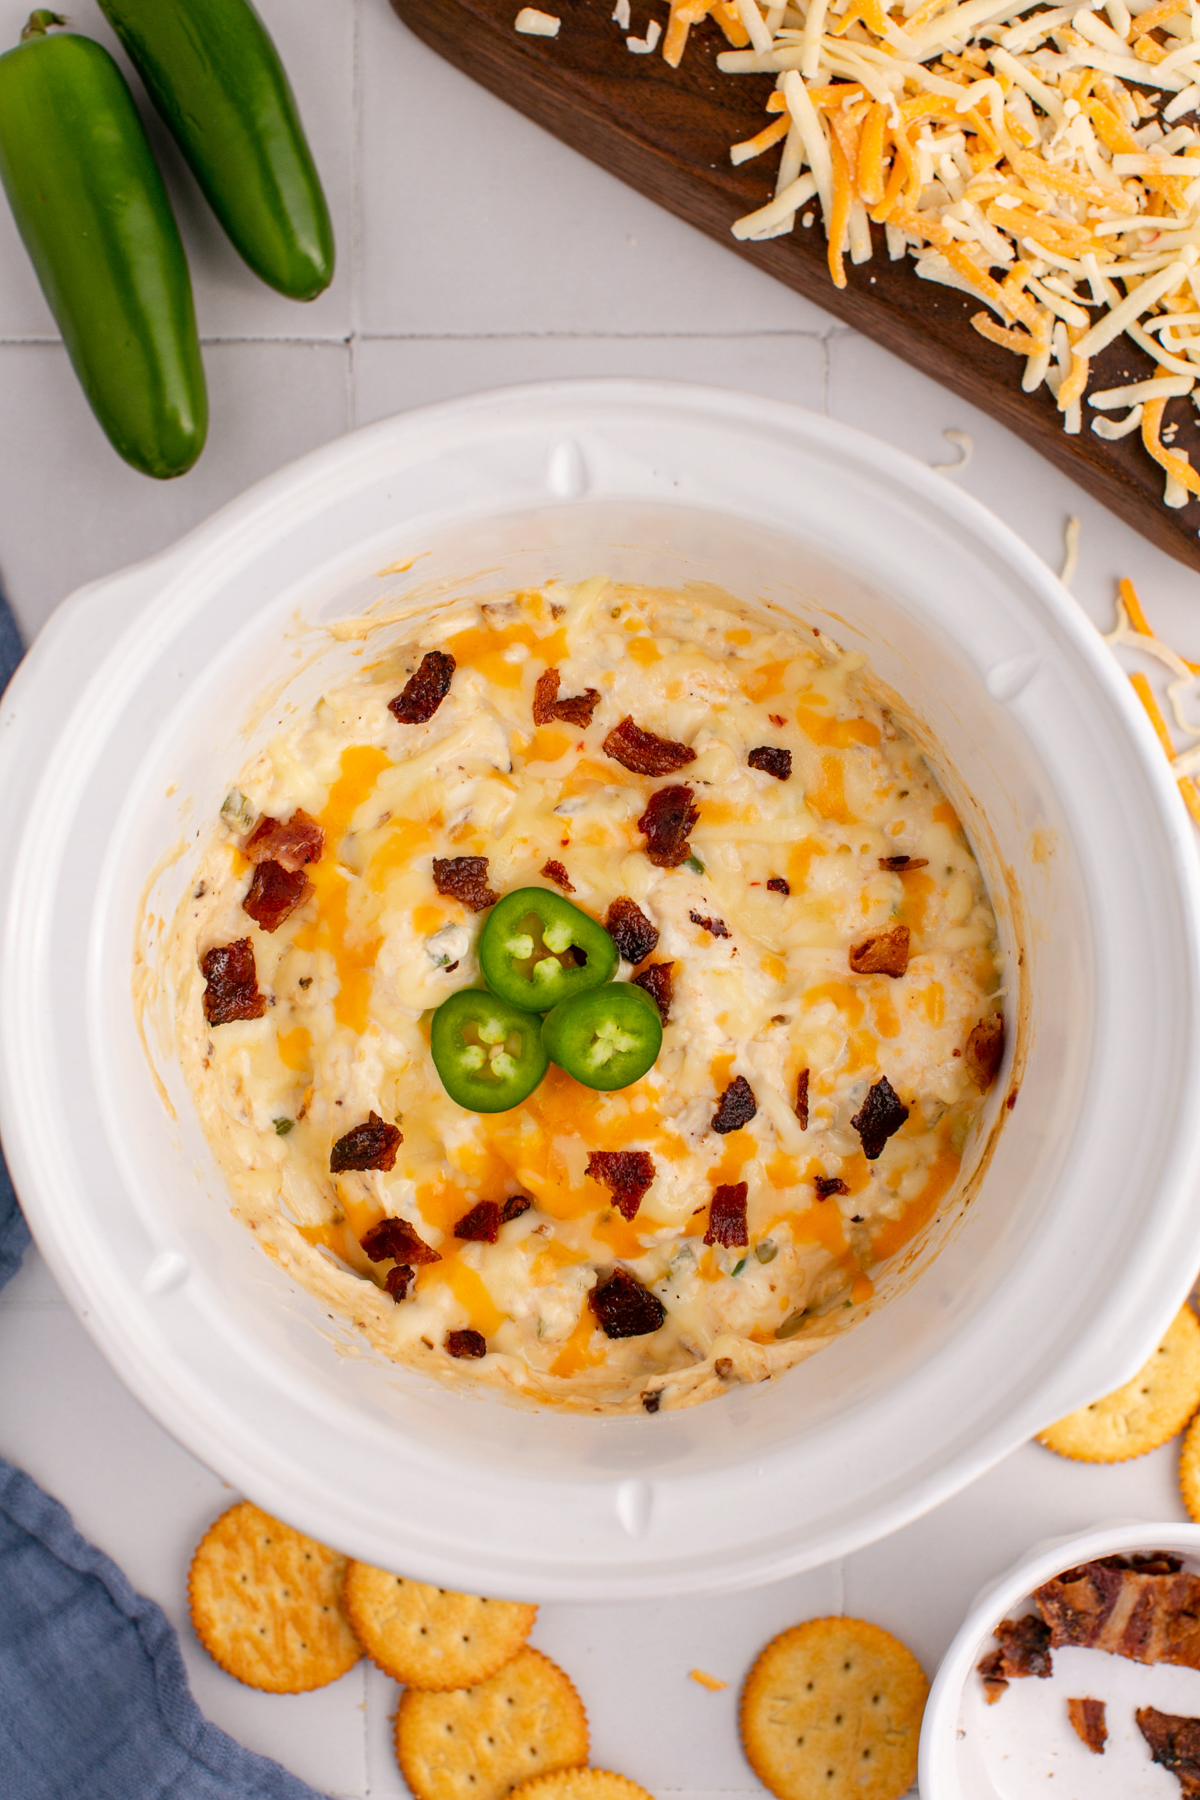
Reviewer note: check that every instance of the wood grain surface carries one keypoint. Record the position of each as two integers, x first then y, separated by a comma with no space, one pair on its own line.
667,133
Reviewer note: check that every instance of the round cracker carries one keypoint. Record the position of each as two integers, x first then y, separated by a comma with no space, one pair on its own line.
431,1637
581,1784
476,1743
1143,1414
266,1603
833,1707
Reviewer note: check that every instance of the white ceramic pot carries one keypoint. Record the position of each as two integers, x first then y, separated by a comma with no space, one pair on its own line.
1023,1747
141,698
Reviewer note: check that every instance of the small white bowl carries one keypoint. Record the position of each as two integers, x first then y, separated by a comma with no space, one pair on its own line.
1023,1747
1054,1277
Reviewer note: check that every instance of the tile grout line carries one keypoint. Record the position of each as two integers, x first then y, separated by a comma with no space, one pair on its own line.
349,339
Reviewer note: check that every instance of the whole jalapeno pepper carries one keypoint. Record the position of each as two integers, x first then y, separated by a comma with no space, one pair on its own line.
215,78
606,1038
537,950
92,210
488,1053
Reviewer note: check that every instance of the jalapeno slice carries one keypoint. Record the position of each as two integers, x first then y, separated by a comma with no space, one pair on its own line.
607,1038
487,1052
538,950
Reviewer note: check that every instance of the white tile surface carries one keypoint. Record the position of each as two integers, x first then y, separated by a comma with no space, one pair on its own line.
474,251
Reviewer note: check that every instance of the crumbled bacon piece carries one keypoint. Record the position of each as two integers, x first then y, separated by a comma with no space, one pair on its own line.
372,1145
274,894
1113,1604
714,927
772,761
657,981
398,1280
626,1173
1089,1724
293,843
1023,1649
669,816
481,1225
802,1099
1174,1744
880,1117
572,709
555,872
777,885
630,929
899,865
396,1238
882,952
424,692
513,1207
464,878
727,1217
642,752
651,1400
829,1184
736,1107
985,1050
778,720
466,1343
231,983
624,1307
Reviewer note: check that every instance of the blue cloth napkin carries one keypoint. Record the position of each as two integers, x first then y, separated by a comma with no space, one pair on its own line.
94,1697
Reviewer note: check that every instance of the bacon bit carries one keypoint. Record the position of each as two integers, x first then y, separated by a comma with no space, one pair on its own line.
879,1118
829,1184
670,814
778,720
1088,1722
624,1307
274,894
466,1343
630,929
1138,1607
231,983
777,885
372,1145
642,752
464,878
736,1107
573,709
513,1207
481,1225
899,865
554,871
1024,1649
657,981
1175,1744
626,1173
1012,1098
802,1099
424,692
715,927
710,1682
882,953
293,843
651,1400
727,1217
397,1281
772,761
985,1050
396,1238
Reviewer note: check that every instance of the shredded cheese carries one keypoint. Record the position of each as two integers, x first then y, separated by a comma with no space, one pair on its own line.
1133,631
536,24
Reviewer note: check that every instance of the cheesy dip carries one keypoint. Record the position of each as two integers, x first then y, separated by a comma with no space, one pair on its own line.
784,881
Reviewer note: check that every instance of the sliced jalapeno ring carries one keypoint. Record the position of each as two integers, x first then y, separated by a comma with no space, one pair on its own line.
538,950
606,1038
488,1053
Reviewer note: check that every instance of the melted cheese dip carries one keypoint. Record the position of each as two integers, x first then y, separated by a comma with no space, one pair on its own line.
351,977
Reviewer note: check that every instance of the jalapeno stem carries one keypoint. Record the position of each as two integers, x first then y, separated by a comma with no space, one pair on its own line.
38,23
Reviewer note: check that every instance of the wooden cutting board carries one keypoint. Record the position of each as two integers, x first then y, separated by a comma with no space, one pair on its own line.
667,133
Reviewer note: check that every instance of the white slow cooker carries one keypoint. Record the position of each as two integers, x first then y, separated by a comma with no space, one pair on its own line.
1051,1282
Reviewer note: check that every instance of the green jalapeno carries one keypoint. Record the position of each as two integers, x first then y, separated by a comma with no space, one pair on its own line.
487,1052
606,1038
538,950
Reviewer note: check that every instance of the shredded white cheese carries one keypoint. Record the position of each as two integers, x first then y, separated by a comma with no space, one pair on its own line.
536,24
